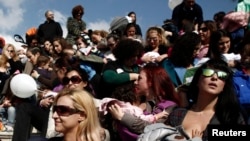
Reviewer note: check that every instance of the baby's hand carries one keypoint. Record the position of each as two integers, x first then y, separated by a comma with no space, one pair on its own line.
161,115
196,133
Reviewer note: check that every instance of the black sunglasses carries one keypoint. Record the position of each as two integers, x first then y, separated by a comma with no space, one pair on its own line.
74,79
203,29
62,110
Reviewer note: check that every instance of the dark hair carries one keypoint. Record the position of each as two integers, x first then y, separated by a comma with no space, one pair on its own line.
125,93
211,25
76,10
227,108
218,17
213,50
42,60
84,76
132,12
64,44
85,38
182,54
129,25
127,48
35,50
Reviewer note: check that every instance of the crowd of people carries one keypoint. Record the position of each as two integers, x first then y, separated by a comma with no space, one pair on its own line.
109,85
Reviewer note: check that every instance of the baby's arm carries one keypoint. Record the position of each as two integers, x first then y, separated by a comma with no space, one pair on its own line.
161,115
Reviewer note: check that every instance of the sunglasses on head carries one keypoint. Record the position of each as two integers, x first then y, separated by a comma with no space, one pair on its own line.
210,72
203,29
64,110
74,79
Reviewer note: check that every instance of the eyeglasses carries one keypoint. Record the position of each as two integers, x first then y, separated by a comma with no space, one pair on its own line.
74,79
11,51
210,72
203,29
62,110
153,38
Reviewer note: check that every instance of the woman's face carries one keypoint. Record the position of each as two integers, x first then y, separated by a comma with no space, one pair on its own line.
75,81
153,39
47,45
11,51
96,38
32,58
57,46
224,44
133,17
66,122
211,81
204,33
111,43
141,84
131,32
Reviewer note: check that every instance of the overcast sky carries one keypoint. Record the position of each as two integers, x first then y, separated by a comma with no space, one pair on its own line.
17,16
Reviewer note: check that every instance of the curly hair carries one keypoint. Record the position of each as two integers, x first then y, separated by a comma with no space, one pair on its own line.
127,48
76,10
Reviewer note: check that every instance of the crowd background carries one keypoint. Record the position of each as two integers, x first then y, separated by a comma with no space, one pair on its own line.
158,65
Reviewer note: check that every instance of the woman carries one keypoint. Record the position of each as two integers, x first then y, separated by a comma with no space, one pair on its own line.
36,114
220,46
182,57
205,30
32,55
155,85
213,100
156,47
132,15
124,69
62,48
130,32
76,117
75,25
112,40
10,52
98,37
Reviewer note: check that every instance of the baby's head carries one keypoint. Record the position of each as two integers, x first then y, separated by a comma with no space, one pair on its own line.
43,61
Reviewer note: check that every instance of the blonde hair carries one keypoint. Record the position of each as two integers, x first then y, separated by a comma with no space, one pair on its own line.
89,129
3,61
161,34
102,33
5,48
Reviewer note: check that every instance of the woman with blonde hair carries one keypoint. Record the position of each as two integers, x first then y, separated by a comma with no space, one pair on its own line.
10,52
76,116
156,46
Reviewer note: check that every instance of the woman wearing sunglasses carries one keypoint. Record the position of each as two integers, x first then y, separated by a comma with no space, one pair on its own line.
205,30
213,100
76,116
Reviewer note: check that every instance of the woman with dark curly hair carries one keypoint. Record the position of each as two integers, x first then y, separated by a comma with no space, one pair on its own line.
75,24
124,69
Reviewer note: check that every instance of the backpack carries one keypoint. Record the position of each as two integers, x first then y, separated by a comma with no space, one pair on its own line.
162,132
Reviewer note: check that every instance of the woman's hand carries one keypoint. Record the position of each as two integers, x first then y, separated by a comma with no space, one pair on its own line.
116,111
47,102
